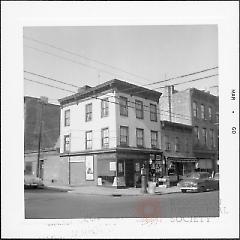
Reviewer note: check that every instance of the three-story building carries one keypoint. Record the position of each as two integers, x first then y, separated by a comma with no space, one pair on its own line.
109,132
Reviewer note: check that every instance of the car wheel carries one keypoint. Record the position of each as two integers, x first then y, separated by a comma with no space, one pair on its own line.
202,189
184,190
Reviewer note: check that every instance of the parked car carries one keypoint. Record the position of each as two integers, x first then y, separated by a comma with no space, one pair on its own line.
198,182
32,181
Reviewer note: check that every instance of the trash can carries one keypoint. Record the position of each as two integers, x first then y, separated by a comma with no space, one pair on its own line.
151,187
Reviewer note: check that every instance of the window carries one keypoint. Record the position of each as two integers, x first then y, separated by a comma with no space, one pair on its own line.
105,138
186,145
154,139
140,137
202,111
195,113
196,134
210,113
153,112
67,143
88,112
88,138
139,109
177,145
123,135
204,136
28,168
211,136
123,102
167,143
67,118
104,107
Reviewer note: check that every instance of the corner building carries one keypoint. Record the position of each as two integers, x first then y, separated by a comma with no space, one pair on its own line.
108,132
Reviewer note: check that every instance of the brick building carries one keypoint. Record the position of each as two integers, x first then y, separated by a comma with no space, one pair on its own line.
177,147
52,169
108,132
198,109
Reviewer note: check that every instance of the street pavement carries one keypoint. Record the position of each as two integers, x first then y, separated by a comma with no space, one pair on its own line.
50,203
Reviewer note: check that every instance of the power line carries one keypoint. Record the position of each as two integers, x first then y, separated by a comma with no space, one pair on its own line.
30,80
85,57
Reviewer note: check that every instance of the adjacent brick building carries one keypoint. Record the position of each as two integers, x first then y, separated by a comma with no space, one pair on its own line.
198,109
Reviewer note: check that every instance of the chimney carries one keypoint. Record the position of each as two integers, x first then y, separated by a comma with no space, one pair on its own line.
83,89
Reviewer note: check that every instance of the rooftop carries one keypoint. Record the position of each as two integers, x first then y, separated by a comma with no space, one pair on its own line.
115,84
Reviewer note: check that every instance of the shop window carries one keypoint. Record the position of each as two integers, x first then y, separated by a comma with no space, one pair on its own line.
139,109
88,112
105,138
104,107
88,139
67,118
123,103
66,143
140,137
154,139
153,112
124,136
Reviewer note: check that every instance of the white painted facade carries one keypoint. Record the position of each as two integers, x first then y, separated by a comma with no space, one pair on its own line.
78,125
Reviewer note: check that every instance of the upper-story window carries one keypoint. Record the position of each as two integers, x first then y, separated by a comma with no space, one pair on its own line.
124,137
195,112
154,139
202,111
167,143
104,107
105,138
67,118
210,113
88,139
186,145
211,136
153,112
123,102
140,137
204,136
66,143
177,144
196,133
88,112
139,109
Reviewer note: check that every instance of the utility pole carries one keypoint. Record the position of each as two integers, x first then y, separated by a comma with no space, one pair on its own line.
42,101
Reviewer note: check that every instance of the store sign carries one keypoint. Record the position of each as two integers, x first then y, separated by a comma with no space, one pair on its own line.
158,157
112,166
89,168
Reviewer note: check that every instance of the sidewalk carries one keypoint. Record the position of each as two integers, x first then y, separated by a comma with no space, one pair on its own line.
110,191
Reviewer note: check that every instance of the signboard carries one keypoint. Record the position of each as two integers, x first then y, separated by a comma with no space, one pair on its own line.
158,157
89,168
80,159
112,166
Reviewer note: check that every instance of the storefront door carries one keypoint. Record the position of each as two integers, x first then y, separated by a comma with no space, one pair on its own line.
129,173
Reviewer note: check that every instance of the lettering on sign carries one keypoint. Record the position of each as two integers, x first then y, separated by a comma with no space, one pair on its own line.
112,166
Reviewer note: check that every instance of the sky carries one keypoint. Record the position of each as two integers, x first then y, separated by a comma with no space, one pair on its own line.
137,54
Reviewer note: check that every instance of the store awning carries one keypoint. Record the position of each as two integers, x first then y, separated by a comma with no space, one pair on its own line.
177,159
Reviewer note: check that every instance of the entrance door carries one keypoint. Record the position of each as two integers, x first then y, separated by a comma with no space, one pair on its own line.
41,169
129,173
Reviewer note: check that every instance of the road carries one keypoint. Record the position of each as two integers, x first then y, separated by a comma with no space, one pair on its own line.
41,204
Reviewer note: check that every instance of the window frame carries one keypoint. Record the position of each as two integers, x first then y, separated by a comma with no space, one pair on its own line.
139,110
127,136
177,144
195,109
104,107
88,114
67,118
153,113
202,115
211,137
167,143
103,138
140,130
210,115
204,136
123,108
196,134
87,140
152,145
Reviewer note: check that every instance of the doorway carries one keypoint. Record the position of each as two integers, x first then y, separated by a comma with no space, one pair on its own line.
129,173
